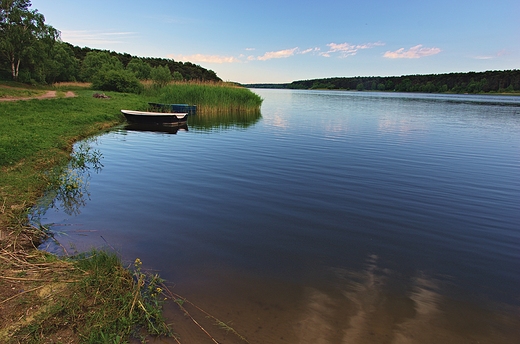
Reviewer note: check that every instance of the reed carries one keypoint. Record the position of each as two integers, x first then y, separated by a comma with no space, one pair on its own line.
210,97
72,85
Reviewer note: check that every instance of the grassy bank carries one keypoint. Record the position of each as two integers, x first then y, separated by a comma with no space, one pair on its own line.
90,298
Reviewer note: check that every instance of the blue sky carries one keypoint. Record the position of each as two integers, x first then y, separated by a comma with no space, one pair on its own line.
285,40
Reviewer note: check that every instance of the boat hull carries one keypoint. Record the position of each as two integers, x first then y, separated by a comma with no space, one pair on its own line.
154,117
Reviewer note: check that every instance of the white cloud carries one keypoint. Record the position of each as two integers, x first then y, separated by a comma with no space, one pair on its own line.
347,49
413,53
344,49
280,54
205,58
310,50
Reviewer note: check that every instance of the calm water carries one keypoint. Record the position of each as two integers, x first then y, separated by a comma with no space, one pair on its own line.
335,217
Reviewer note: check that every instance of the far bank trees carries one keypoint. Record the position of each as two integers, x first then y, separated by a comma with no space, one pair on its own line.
471,82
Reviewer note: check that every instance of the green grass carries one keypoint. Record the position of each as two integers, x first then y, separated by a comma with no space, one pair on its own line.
102,303
37,135
18,90
210,98
15,92
31,127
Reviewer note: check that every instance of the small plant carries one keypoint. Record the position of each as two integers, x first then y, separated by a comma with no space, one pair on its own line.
121,302
147,300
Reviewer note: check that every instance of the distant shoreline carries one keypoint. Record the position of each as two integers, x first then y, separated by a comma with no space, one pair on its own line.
505,82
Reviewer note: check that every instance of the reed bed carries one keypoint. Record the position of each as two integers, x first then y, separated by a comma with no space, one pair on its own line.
210,98
72,85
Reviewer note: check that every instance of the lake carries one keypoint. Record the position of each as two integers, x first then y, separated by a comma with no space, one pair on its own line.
334,217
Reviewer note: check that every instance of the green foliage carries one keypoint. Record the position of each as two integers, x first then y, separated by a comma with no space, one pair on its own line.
125,301
98,62
31,52
23,33
177,76
106,304
490,81
161,76
140,68
116,80
62,65
322,86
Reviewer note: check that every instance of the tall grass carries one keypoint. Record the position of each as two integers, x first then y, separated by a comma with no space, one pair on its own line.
210,98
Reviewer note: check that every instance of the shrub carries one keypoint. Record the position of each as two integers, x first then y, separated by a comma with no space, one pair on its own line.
161,76
117,80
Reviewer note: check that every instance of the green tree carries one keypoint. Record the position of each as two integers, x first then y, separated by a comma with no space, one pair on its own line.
177,76
21,31
53,61
161,76
140,68
98,61
405,86
68,65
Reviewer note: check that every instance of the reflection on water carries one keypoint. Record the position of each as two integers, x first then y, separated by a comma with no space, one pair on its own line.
172,128
372,305
69,186
366,311
224,120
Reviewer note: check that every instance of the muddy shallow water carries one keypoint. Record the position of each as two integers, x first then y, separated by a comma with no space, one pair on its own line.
334,217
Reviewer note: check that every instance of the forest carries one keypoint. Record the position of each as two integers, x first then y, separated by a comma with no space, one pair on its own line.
32,52
507,81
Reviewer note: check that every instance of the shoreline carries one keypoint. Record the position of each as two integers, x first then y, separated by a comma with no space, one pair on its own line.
46,298
33,283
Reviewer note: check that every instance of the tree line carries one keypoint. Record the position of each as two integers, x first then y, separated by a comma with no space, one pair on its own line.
471,82
32,52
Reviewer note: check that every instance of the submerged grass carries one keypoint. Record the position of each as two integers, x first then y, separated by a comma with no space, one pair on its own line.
210,98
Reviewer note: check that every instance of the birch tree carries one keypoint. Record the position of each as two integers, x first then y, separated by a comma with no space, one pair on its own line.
20,29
